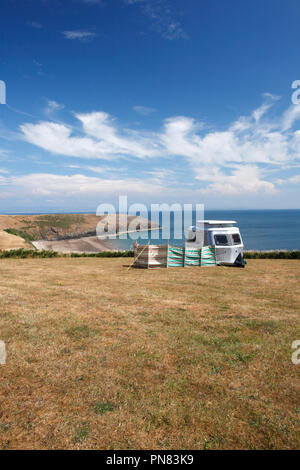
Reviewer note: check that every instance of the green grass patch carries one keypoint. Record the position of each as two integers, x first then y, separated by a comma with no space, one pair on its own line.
5,427
218,343
82,433
101,408
81,331
238,356
64,221
223,307
266,326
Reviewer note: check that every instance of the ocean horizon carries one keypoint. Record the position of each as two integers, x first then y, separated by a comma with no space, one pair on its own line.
261,229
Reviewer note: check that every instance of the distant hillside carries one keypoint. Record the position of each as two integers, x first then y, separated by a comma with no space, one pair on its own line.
63,226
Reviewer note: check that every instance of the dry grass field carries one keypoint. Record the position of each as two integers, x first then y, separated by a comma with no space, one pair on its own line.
99,357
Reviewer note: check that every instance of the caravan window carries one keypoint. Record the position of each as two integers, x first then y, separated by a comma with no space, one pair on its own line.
236,239
221,240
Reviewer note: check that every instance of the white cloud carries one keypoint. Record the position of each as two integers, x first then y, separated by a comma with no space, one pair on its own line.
35,24
101,139
4,153
52,185
52,107
79,35
236,160
244,179
264,108
163,176
293,180
106,170
162,17
242,149
144,110
291,115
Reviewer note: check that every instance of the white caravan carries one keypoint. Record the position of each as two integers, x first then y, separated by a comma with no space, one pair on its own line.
223,235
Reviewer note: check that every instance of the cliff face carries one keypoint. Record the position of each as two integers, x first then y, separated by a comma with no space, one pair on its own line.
68,226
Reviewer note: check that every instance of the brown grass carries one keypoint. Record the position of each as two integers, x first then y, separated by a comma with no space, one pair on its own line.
12,242
102,358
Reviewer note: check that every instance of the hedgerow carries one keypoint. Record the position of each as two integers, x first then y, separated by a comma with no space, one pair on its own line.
22,253
272,254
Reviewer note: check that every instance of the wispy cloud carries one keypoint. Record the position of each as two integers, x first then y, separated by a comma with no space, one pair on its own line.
39,66
79,35
18,111
144,110
106,170
52,107
34,24
92,2
162,17
163,176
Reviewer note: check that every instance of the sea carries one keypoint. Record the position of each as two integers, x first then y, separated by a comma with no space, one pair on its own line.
260,229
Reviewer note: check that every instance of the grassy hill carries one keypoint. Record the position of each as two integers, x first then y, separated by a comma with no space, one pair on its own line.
55,226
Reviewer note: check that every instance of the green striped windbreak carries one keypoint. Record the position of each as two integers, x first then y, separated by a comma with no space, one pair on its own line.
208,256
192,257
175,257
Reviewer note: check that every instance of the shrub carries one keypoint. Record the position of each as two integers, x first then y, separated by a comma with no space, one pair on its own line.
272,254
21,253
104,254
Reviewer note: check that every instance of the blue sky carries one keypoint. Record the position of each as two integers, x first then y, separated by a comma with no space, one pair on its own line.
161,100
